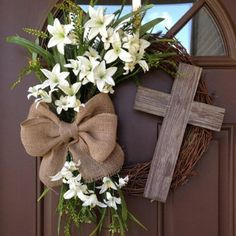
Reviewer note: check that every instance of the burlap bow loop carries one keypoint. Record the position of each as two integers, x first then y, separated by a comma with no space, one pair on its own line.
91,135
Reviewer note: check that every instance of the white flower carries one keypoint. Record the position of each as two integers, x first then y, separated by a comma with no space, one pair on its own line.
144,65
34,91
59,34
72,166
108,39
103,76
129,67
87,68
132,42
143,45
137,59
78,105
123,181
76,188
107,184
92,201
66,171
62,104
112,201
55,77
75,65
108,89
117,51
44,97
70,90
98,22
92,54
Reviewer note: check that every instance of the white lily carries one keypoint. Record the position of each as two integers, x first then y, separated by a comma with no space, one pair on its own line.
117,51
132,42
34,91
137,59
66,171
92,201
78,105
76,188
98,22
103,76
70,90
63,174
87,68
55,77
108,89
123,181
72,166
108,39
144,44
129,67
44,97
74,65
112,201
62,104
92,54
59,34
107,184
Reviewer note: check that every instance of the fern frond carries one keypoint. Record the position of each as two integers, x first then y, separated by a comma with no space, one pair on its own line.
35,32
33,66
24,72
69,6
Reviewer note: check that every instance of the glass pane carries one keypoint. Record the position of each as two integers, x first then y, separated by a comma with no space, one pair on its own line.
206,37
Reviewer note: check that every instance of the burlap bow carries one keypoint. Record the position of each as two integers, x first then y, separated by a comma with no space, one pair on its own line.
91,138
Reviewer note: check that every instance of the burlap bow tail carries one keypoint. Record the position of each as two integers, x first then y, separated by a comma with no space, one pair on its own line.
91,138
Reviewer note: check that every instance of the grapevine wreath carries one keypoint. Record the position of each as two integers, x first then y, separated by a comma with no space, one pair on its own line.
79,58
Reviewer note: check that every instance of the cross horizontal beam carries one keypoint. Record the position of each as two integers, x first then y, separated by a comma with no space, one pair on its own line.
201,114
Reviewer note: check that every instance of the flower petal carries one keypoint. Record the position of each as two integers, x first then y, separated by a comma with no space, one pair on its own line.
69,194
110,56
125,56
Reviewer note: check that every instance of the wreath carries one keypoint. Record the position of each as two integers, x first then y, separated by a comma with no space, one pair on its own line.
72,125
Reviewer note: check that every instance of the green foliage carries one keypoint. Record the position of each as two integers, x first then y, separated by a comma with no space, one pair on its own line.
132,14
33,66
149,25
35,32
32,47
69,6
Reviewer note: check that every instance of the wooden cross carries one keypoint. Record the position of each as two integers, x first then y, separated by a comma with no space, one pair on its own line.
178,110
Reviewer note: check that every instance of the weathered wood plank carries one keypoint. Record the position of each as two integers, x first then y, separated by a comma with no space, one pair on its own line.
201,115
172,132
206,116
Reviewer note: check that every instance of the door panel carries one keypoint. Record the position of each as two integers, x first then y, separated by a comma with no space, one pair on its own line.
204,206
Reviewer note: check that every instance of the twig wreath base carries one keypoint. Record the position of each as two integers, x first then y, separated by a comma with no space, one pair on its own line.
196,140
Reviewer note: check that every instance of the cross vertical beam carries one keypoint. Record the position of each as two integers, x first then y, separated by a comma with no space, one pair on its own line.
172,132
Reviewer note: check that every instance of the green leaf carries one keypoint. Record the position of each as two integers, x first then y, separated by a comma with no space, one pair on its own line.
151,24
140,10
24,72
99,225
32,47
124,211
59,224
134,219
50,19
46,190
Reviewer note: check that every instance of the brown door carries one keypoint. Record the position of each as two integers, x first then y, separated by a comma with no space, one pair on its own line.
204,206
